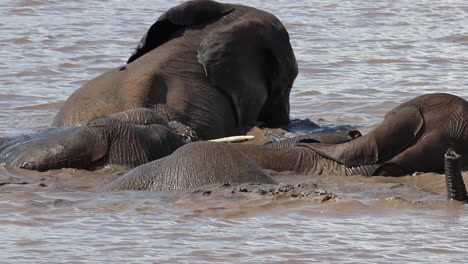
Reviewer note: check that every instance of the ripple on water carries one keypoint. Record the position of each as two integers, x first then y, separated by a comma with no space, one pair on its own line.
357,61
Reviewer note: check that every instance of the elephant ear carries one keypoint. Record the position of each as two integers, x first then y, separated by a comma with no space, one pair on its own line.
401,129
248,58
186,14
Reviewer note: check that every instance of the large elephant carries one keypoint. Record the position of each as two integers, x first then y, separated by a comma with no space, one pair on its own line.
217,68
413,138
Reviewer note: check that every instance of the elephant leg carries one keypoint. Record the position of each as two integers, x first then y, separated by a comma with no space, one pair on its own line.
424,156
71,147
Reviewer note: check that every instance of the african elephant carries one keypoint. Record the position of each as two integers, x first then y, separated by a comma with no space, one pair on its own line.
217,68
195,164
128,138
96,143
203,163
412,138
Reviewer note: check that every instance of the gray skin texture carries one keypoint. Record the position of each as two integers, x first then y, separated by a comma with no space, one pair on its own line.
140,116
201,163
99,142
195,164
128,138
217,68
456,189
145,117
328,137
412,138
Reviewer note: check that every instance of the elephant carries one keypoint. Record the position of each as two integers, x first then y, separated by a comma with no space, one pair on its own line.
97,143
128,138
216,68
413,137
187,168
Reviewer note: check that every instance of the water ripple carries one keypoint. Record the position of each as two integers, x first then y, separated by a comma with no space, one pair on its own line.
357,59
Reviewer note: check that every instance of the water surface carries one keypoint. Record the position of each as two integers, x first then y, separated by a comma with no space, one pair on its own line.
357,60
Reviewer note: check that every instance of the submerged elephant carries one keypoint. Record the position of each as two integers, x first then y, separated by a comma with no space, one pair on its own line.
129,138
217,68
413,138
193,165
99,142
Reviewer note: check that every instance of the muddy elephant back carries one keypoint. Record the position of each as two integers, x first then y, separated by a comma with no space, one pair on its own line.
100,96
194,165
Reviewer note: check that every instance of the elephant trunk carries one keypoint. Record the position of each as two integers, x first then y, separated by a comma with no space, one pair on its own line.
328,137
453,177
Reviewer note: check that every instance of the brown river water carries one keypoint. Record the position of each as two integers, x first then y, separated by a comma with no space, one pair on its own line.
357,60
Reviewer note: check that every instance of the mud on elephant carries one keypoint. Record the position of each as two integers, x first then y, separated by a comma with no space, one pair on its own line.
97,143
218,68
129,138
412,138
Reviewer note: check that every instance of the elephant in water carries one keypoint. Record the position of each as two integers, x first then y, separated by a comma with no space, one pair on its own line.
412,138
99,142
129,138
217,68
194,165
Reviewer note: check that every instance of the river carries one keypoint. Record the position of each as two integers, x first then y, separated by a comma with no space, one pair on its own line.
357,60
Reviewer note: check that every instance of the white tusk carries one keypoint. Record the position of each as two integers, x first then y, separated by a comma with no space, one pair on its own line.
233,139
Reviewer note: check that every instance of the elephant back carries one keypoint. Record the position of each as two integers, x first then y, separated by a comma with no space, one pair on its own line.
188,168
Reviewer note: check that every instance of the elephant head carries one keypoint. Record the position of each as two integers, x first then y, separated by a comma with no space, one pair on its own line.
412,138
218,68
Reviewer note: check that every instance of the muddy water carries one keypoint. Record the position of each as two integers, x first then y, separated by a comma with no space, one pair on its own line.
357,60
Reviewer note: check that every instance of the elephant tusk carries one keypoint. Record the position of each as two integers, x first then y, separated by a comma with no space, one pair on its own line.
233,139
